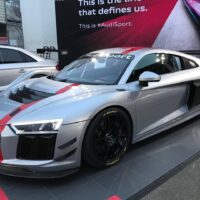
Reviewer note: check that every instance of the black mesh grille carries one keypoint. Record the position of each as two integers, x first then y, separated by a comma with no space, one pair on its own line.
36,147
27,95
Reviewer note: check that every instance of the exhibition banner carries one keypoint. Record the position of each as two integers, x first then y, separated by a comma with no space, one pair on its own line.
87,25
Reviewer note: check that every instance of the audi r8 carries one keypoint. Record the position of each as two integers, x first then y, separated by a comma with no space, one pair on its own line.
94,109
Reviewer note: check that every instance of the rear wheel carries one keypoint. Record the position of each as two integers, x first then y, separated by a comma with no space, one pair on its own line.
107,138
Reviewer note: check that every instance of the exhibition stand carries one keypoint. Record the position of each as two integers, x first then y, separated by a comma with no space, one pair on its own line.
142,169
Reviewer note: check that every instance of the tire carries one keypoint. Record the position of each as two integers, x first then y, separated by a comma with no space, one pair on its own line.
107,138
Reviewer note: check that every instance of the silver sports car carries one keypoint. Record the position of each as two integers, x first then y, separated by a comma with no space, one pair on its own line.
94,109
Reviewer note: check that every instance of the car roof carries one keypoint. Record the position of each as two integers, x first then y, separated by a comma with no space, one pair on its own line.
120,50
142,51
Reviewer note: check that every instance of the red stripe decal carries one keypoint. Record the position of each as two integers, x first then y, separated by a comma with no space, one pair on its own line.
65,89
115,197
131,49
3,195
9,116
4,121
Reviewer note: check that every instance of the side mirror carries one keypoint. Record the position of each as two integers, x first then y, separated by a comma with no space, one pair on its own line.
147,77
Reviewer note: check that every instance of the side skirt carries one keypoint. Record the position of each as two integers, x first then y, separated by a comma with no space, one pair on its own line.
186,117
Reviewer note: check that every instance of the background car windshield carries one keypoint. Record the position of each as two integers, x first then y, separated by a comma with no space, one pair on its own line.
96,69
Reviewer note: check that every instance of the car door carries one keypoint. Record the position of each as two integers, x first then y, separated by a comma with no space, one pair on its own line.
159,102
192,71
13,63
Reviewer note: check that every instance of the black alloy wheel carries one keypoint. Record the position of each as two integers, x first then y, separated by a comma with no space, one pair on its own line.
107,138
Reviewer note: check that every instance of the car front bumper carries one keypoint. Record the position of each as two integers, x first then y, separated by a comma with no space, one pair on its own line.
16,171
66,157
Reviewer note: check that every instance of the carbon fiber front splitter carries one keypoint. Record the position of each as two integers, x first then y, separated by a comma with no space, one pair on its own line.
17,171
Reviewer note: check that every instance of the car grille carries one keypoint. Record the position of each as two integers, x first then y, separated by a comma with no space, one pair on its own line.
27,95
36,147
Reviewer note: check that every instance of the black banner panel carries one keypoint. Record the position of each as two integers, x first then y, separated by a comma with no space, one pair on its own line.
87,25
2,30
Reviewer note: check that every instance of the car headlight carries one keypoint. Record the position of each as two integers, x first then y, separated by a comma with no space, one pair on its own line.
39,127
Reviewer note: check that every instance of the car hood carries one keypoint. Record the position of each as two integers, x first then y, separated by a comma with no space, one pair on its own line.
73,90
54,96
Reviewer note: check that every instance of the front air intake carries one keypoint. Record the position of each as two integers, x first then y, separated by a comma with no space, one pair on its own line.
36,147
27,95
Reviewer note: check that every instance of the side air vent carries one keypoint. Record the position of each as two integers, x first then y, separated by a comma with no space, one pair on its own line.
27,95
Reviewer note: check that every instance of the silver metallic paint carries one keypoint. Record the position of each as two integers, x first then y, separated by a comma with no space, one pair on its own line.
152,109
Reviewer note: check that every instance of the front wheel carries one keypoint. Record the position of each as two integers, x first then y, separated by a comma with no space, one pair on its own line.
107,138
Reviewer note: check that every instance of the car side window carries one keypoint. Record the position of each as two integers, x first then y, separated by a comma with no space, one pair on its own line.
178,62
184,63
9,56
189,64
158,63
27,58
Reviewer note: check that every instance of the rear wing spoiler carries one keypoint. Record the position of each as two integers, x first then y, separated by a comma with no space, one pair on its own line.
191,52
46,51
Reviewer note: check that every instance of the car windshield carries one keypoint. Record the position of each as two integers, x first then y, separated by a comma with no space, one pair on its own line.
96,69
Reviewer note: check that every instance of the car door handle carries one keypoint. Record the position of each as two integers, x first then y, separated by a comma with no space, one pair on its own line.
21,71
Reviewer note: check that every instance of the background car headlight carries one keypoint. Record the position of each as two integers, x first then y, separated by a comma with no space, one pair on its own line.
50,126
